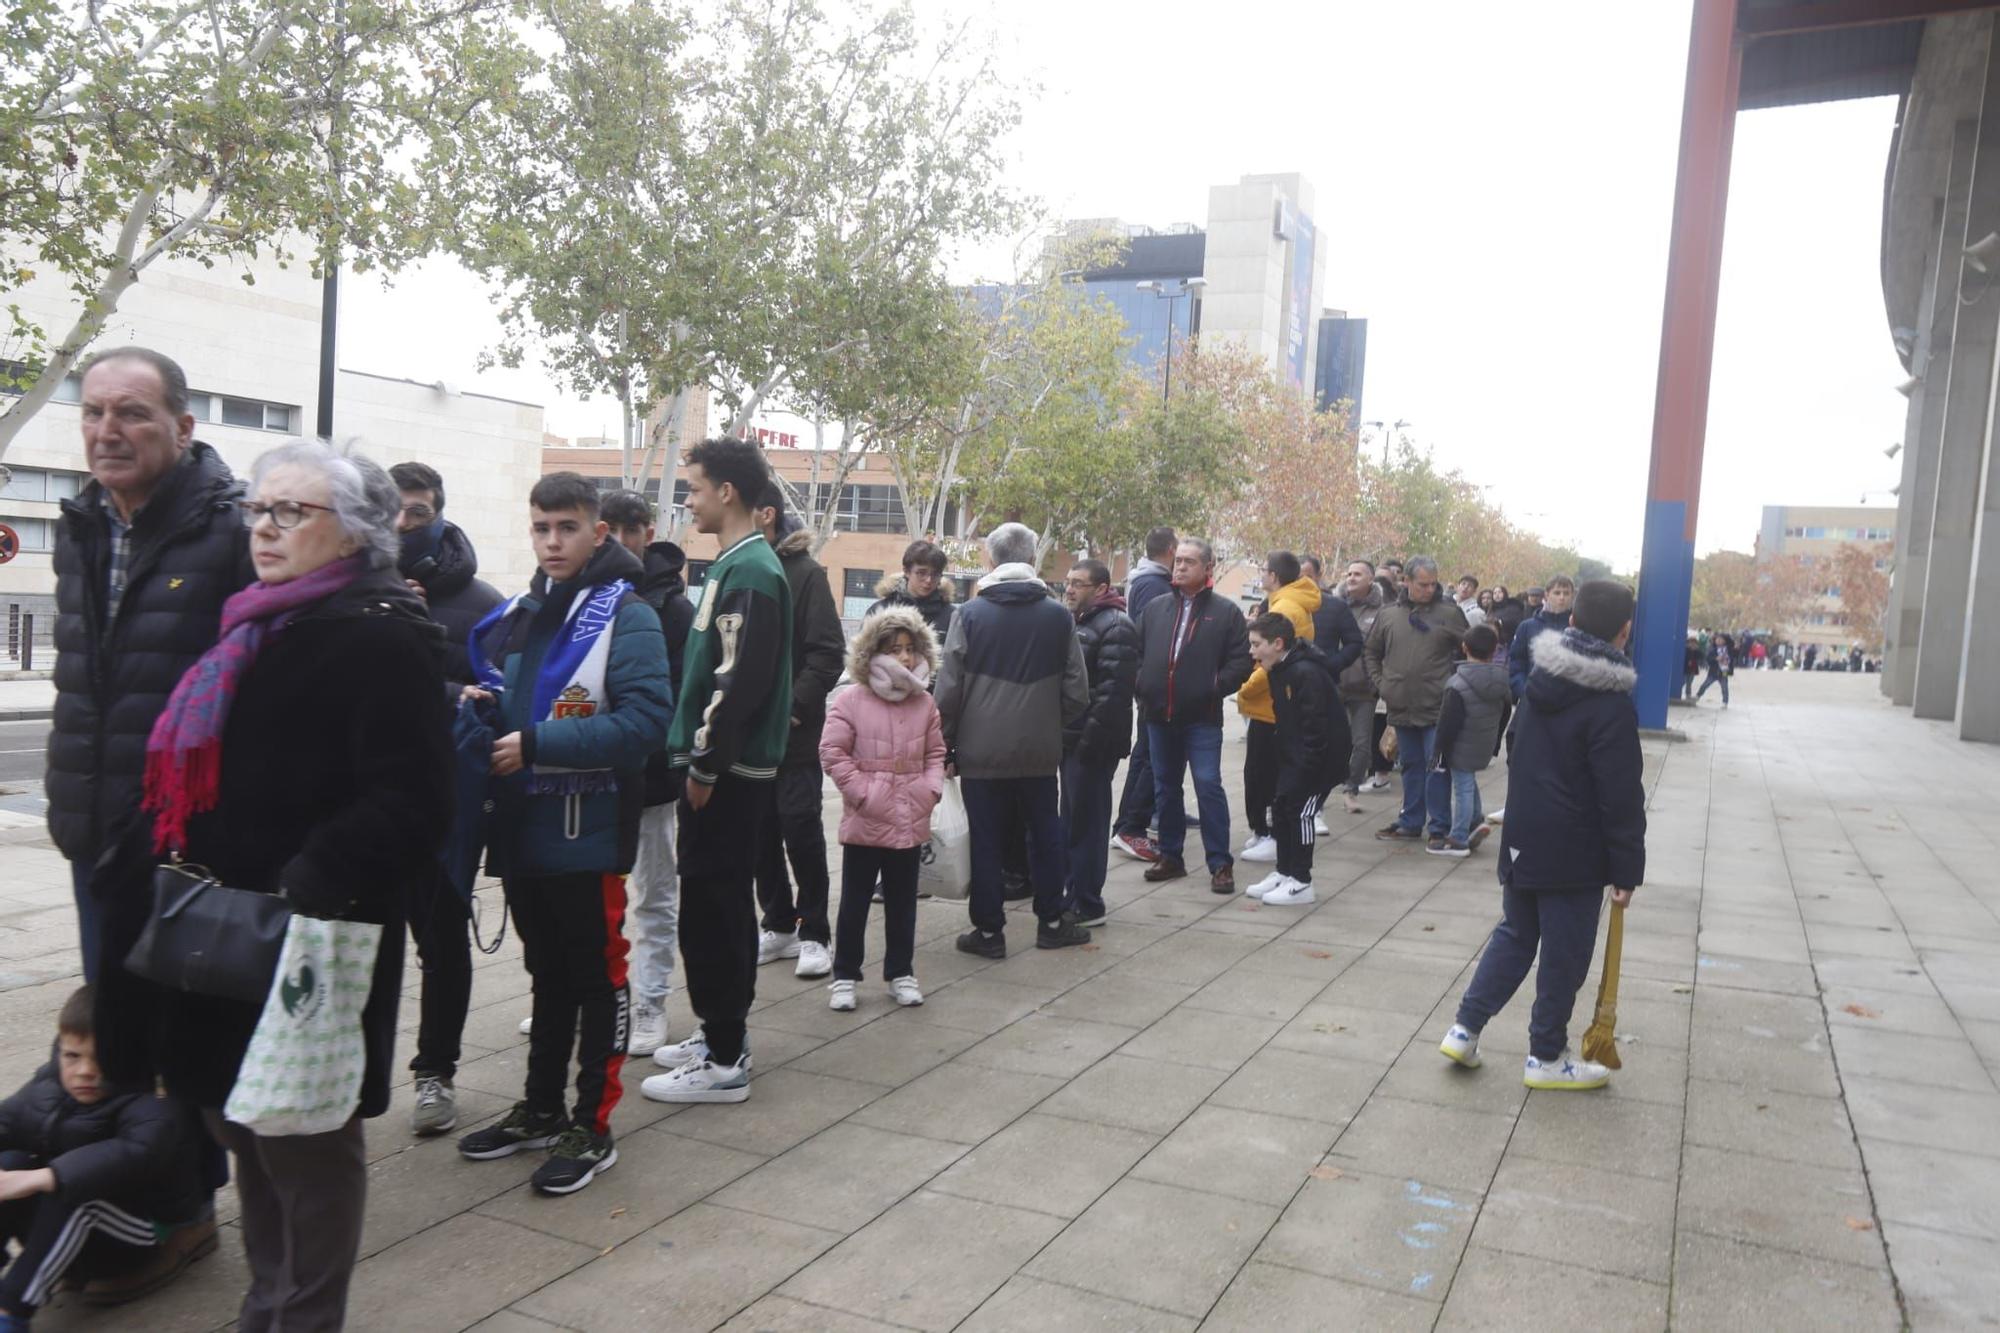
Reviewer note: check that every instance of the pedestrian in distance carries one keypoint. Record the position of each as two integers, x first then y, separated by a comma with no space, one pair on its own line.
1312,747
1469,726
438,561
1011,678
1194,653
883,746
1719,663
1576,823
1095,742
575,673
654,884
729,736
1690,666
1289,593
1411,653
1131,831
798,927
307,755
1362,596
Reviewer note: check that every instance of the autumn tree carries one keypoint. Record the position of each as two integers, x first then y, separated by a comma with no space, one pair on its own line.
223,132
1857,570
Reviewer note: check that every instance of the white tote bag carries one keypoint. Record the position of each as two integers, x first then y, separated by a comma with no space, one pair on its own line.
303,1069
945,862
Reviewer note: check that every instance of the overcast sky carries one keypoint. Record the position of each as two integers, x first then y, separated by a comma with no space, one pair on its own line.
1495,183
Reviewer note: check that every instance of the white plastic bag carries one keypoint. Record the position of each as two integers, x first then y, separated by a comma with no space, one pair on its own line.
945,862
303,1069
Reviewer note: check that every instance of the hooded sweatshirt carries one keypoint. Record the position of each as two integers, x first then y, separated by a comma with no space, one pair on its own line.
1475,708
936,608
1576,806
439,558
1296,601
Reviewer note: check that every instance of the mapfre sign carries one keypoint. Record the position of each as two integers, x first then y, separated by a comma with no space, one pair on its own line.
774,439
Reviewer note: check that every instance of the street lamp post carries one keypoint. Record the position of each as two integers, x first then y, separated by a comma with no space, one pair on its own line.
1190,288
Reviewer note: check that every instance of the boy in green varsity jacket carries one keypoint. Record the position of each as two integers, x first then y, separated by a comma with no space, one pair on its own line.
730,737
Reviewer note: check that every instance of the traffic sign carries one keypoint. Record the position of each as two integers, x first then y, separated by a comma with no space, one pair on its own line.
10,543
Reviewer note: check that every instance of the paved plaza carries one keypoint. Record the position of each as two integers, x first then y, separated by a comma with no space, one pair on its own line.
1235,1117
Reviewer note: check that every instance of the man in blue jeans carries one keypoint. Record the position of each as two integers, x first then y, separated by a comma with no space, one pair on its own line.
1411,653
1011,679
1194,652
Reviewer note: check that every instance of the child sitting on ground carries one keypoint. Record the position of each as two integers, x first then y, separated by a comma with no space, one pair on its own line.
883,746
1576,822
1469,727
96,1179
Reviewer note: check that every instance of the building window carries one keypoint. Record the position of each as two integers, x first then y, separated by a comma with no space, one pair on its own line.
41,485
36,534
857,592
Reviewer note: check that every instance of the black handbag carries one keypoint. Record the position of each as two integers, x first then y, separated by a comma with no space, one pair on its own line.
208,939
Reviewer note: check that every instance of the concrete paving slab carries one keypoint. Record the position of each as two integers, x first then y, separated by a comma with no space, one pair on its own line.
842,1178
1266,1297
1392,1233
1030,1305
1159,1245
1046,1163
1148,1095
1822,1211
1243,1154
1306,1087
1722,1283
1436,1144
958,1103
491,1263
1947,1281
1600,1220
1493,1288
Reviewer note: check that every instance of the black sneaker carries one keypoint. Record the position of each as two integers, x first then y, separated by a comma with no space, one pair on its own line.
574,1161
1015,888
1062,933
522,1129
1091,920
979,943
1397,833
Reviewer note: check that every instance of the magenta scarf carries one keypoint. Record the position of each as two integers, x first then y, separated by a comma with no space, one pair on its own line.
184,753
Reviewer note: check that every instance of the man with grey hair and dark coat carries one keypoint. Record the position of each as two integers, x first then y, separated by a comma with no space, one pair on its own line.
1012,679
1411,653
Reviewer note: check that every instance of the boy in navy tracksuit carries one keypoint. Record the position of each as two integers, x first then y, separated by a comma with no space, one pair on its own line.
579,667
1576,822
1312,744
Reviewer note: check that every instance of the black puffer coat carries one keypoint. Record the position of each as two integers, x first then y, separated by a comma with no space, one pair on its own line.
819,647
336,792
190,551
665,589
454,594
1110,643
130,1146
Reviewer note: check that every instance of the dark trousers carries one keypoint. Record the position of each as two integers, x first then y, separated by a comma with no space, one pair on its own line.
438,918
86,917
859,867
61,1233
1715,677
1135,807
992,805
798,826
1260,775
1292,815
303,1197
1562,923
572,930
1086,831
718,846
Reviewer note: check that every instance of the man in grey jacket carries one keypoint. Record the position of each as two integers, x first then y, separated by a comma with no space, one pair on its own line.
1012,678
1410,655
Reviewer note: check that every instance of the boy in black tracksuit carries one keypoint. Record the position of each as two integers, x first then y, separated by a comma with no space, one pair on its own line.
99,1179
1313,746
1576,822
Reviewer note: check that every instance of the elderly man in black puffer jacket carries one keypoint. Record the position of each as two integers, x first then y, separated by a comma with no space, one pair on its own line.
1094,743
145,557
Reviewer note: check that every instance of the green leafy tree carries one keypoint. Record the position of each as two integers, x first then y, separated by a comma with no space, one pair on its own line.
224,132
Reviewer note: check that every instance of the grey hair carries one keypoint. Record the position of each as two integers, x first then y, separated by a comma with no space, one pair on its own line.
1207,551
1011,544
1418,564
365,500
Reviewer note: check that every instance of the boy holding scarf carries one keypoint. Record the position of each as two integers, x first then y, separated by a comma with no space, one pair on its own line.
579,669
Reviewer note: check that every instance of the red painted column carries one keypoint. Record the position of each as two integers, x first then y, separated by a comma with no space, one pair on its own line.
1687,351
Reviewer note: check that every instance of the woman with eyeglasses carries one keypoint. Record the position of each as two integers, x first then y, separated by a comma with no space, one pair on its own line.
306,755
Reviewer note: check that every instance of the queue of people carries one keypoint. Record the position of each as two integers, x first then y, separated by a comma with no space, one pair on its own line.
299,690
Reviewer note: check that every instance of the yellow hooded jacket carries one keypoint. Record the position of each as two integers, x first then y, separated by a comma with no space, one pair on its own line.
1297,601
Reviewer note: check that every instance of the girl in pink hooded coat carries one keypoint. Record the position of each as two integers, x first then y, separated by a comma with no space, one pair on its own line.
883,746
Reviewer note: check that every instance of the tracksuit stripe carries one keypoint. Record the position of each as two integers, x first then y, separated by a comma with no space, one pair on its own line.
96,1215
612,891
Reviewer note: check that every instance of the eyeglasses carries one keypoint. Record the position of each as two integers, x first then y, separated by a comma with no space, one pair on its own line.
286,514
421,513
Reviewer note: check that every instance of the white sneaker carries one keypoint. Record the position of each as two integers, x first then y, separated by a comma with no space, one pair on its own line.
1497,817
1263,886
840,997
527,1025
694,1046
1378,782
1289,892
1319,826
1566,1073
700,1081
649,1027
814,960
1461,1044
1260,849
904,991
771,946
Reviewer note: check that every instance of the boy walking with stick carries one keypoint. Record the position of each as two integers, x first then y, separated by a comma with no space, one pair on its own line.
1576,822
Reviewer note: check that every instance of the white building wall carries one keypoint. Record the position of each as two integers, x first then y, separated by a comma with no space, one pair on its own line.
1248,298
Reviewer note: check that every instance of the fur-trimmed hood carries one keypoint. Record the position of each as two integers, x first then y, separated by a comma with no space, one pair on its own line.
894,586
796,542
1570,665
868,640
